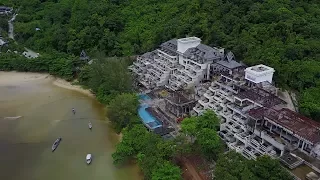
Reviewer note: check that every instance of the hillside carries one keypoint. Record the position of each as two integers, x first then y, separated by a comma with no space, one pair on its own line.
284,34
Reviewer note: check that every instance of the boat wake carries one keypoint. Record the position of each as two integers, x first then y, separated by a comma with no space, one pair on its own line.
55,122
12,118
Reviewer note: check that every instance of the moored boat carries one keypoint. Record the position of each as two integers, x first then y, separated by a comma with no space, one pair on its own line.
90,125
88,158
56,144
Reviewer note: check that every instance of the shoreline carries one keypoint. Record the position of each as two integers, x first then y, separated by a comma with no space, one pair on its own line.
12,78
68,85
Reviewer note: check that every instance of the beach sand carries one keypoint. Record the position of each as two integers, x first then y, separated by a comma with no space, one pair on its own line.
13,78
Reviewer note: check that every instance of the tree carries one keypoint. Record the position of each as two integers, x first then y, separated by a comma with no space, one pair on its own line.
266,168
230,166
110,77
310,103
208,120
189,127
122,110
182,145
166,171
210,143
233,166
133,140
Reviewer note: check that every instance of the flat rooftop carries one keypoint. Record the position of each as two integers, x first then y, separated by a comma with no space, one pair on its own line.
188,39
259,68
260,96
229,64
171,45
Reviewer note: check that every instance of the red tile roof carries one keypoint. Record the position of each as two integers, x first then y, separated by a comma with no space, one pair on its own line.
295,122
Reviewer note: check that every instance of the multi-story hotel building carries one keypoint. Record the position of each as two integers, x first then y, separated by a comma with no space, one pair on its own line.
254,120
177,64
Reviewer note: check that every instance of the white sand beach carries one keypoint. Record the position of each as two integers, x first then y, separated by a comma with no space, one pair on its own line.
13,78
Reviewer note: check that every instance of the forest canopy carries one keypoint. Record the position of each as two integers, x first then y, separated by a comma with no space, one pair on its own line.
283,34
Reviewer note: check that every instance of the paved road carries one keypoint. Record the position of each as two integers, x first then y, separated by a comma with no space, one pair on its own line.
10,32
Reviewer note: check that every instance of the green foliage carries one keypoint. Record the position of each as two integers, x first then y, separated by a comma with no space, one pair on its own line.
189,126
132,142
310,103
59,65
152,153
107,78
210,143
122,110
208,120
233,166
281,34
167,171
204,129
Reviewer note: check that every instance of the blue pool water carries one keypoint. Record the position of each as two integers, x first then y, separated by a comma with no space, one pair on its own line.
144,97
147,118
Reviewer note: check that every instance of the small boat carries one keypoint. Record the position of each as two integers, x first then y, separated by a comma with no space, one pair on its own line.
90,125
56,144
89,158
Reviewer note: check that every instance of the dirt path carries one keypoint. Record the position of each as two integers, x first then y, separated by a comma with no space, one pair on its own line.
189,171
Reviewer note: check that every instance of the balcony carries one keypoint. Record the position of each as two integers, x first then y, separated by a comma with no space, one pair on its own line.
223,134
237,129
226,113
235,108
213,87
243,136
251,153
218,98
274,141
198,108
230,138
194,67
204,101
171,56
239,119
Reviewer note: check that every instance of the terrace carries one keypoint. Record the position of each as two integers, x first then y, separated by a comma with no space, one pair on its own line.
251,153
243,136
226,113
204,101
260,97
290,160
166,53
240,119
209,94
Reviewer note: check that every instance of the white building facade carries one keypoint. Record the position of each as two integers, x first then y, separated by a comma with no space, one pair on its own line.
254,121
177,64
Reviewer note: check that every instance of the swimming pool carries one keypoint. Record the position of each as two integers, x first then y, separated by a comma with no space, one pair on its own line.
150,121
144,97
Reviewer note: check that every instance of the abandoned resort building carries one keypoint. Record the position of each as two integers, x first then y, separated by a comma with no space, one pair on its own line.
184,77
5,10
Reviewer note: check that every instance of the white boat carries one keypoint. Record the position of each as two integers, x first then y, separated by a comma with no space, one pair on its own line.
56,144
90,125
89,158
